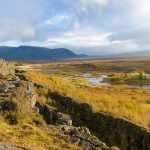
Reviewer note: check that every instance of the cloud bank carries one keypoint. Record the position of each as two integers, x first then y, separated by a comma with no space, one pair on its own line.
84,26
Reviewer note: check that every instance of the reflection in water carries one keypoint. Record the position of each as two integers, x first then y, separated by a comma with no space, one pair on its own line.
101,81
96,80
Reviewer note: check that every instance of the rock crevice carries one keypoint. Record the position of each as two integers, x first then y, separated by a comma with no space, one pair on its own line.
80,135
113,131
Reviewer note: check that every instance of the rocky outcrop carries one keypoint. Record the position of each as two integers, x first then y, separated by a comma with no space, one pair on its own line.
7,93
30,94
80,135
8,106
63,119
113,131
52,116
83,137
6,68
3,88
14,80
4,146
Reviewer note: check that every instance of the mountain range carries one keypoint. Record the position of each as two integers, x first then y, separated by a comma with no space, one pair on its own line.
32,53
126,54
35,53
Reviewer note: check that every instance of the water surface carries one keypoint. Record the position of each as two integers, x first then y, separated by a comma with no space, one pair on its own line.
100,80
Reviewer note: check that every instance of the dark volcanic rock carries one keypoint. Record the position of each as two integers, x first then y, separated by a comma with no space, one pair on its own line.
113,131
83,136
52,116
3,88
63,119
48,113
8,106
80,135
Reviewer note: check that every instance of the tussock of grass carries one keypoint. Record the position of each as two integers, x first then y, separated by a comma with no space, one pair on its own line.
119,101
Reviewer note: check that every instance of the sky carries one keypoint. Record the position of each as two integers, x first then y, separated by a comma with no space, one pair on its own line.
93,27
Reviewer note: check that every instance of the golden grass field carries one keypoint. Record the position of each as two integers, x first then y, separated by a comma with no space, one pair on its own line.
120,101
35,138
131,104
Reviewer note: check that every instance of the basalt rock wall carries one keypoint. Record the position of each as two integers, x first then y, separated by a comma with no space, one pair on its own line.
112,131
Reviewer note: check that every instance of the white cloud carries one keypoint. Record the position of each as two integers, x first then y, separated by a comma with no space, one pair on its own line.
91,41
15,31
88,26
82,36
84,4
55,20
143,6
139,10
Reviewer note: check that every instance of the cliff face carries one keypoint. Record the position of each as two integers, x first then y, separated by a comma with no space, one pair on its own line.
113,131
6,68
80,135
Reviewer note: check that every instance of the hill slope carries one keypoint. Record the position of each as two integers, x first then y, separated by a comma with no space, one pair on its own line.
28,123
35,53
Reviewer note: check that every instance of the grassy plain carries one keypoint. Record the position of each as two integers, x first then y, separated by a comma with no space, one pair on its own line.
109,65
129,103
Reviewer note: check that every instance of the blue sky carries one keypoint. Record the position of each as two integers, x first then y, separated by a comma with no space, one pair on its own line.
84,26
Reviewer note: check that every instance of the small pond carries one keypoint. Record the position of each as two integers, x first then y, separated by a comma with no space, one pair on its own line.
101,81
96,80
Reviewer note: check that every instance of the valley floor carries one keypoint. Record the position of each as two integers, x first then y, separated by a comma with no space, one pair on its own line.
122,95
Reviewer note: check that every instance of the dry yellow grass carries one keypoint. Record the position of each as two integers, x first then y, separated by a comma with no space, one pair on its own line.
26,128
35,138
119,101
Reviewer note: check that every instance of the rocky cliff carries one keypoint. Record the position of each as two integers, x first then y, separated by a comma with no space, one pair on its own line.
80,135
21,110
113,131
26,104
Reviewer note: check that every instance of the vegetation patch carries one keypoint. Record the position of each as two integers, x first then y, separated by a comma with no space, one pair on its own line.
119,101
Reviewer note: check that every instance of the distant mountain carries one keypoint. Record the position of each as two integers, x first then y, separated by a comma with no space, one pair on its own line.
36,53
128,54
138,53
